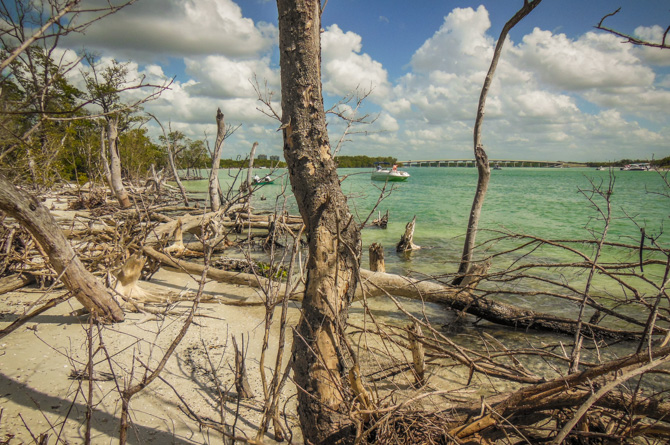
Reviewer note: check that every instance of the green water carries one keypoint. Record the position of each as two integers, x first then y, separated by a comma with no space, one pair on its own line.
543,202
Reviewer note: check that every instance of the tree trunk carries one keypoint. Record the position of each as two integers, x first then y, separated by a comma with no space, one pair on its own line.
175,173
103,156
37,219
481,159
115,161
251,165
333,236
214,197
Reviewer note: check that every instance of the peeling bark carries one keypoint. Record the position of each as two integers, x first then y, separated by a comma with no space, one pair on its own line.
334,238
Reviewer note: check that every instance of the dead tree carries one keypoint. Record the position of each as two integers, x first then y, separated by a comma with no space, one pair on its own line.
406,242
115,162
481,158
334,237
214,196
90,292
251,165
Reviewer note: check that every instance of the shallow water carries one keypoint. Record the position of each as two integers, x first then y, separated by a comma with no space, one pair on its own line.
543,202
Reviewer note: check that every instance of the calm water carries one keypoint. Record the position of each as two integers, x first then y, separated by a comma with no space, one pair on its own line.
544,202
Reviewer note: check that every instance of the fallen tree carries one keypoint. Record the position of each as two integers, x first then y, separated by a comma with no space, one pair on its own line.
86,288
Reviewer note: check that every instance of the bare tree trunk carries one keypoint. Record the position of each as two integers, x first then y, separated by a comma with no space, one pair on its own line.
481,159
334,238
36,218
214,197
173,166
103,156
115,161
251,164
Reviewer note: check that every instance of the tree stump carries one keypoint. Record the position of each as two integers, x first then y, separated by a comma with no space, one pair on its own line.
241,382
415,345
406,240
381,221
377,258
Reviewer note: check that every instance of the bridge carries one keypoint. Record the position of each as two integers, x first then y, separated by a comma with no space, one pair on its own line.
471,163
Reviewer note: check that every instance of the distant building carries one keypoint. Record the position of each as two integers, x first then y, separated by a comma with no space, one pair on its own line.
274,158
263,157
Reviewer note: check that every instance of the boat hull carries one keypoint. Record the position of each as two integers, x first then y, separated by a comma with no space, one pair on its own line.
389,176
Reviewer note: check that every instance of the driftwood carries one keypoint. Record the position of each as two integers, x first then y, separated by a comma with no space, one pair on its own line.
380,284
14,282
241,381
415,334
407,239
86,288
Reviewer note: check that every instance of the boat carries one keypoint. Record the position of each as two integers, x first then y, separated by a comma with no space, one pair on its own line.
392,175
600,168
640,167
497,167
263,181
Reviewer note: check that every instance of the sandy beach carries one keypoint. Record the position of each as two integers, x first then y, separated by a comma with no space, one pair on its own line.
38,394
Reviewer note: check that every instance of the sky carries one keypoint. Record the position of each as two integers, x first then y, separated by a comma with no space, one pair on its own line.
563,91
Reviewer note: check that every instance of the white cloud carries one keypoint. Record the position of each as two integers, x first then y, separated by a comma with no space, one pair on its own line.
460,45
345,69
219,76
592,61
653,56
154,29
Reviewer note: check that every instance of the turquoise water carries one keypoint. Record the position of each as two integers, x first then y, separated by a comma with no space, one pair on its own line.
544,202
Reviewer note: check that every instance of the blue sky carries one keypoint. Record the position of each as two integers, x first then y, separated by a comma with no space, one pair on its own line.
563,91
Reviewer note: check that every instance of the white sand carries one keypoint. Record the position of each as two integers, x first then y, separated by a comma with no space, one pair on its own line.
36,361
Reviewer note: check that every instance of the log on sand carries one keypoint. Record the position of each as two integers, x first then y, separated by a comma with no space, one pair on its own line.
15,282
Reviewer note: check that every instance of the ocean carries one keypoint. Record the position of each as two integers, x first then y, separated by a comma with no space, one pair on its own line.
556,203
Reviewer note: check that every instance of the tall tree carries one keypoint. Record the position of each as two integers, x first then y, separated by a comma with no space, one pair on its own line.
334,237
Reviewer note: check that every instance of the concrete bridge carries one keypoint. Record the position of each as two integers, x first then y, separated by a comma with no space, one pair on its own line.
471,163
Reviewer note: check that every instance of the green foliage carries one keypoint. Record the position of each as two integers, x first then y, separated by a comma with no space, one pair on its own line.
244,163
363,161
138,152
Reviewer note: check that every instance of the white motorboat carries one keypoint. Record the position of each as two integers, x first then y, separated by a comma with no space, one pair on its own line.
391,175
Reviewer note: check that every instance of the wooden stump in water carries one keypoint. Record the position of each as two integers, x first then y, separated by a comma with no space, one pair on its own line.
406,240
377,258
475,273
381,221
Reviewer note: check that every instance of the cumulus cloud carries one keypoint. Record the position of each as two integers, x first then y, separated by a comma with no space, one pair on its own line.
552,95
460,45
592,61
151,29
650,55
223,77
345,68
